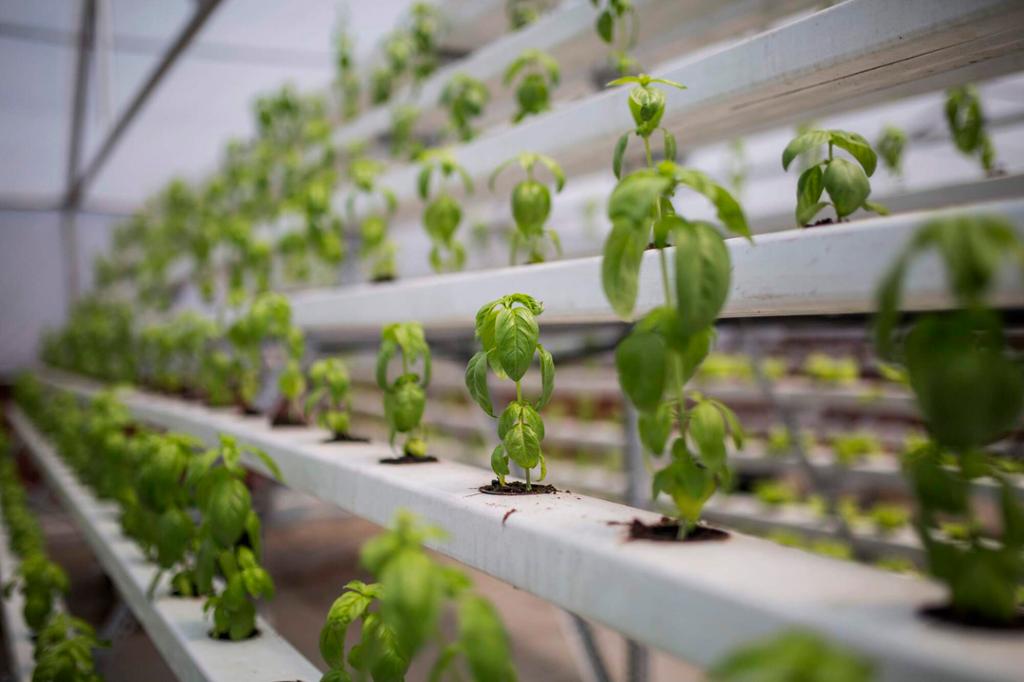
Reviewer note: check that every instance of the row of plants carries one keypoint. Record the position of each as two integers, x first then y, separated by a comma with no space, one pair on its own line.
63,646
188,508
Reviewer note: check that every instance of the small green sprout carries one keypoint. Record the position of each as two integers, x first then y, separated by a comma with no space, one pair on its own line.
540,74
531,206
846,182
443,214
405,397
465,98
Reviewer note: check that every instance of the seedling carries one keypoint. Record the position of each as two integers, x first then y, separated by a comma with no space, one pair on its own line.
41,582
837,371
64,651
401,614
665,348
967,126
540,74
846,182
775,493
522,13
510,337
443,214
349,87
889,518
617,25
891,146
380,204
647,105
851,448
531,207
329,399
403,124
268,322
969,386
465,98
229,544
405,397
793,655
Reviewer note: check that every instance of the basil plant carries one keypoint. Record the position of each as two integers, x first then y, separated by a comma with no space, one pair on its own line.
531,207
443,213
405,397
510,337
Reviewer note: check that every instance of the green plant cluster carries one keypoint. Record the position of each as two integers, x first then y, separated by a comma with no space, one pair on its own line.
665,348
510,338
830,370
538,74
792,655
531,207
969,385
967,126
845,182
442,213
161,483
465,98
401,614
405,396
64,645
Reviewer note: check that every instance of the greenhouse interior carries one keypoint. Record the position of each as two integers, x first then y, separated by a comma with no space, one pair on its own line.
496,340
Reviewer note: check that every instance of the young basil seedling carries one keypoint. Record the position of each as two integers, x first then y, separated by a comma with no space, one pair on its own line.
647,105
443,213
405,397
540,74
612,28
846,182
969,386
229,543
402,613
329,399
465,98
666,347
376,246
891,146
510,337
966,121
531,206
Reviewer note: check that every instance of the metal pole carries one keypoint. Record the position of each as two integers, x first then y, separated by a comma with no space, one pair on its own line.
637,493
69,243
81,181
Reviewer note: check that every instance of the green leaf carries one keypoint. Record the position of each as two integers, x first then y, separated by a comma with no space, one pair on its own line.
499,462
476,382
522,444
620,151
620,266
703,272
801,144
635,197
670,145
605,26
808,192
858,147
726,206
411,599
387,351
655,427
707,428
268,462
175,530
888,297
640,360
226,510
484,641
970,391
847,186
880,209
516,334
547,377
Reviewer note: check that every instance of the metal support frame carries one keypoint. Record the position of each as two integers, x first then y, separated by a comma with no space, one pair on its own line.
82,180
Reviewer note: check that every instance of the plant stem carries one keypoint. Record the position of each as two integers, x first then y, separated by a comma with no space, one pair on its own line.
647,152
528,486
519,392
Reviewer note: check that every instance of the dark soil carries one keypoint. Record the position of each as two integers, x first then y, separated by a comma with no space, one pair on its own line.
516,488
284,415
408,459
346,438
823,221
945,614
382,280
227,638
249,410
667,530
